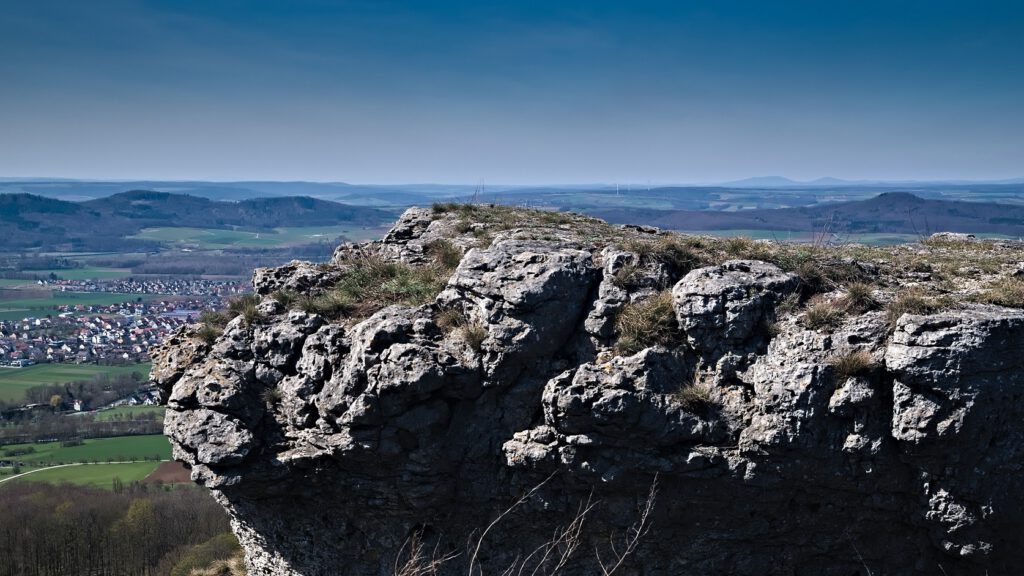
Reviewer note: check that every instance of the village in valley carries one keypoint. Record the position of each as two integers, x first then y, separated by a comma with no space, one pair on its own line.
74,371
119,333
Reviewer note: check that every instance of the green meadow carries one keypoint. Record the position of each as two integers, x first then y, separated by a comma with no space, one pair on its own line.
85,273
94,475
15,381
215,238
129,412
58,298
117,449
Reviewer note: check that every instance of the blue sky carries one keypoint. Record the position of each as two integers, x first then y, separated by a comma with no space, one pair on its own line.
512,92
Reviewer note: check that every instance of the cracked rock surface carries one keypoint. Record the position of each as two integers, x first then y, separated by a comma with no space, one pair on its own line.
336,442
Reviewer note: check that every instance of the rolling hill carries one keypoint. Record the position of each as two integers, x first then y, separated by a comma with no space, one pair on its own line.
28,221
891,212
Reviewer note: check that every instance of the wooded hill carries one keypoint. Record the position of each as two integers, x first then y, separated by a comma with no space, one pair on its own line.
28,221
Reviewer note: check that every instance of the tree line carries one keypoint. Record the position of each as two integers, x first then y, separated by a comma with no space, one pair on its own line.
99,391
137,530
47,427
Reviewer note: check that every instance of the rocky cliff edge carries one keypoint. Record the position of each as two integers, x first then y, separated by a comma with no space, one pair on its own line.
491,391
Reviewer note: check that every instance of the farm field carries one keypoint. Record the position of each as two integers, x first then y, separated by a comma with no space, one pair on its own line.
94,475
129,412
85,273
120,448
15,381
213,238
18,308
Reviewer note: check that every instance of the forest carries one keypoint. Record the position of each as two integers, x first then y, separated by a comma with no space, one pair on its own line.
131,530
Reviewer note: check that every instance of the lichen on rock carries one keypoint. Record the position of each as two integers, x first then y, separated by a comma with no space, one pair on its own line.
748,443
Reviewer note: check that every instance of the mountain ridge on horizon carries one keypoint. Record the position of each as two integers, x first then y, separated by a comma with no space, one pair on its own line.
768,181
35,221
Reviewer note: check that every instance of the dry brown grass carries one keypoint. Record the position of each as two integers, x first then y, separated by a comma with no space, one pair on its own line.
473,334
627,277
824,315
1004,292
231,567
912,301
453,321
450,319
680,254
272,396
646,323
859,297
853,364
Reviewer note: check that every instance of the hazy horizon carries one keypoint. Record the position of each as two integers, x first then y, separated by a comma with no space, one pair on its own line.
526,94
820,181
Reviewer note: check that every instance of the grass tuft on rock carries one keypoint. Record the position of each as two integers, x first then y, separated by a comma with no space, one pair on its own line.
450,319
627,277
646,323
212,324
209,333
372,282
694,397
286,298
859,298
473,334
444,253
246,307
453,321
910,301
679,254
823,315
272,396
853,364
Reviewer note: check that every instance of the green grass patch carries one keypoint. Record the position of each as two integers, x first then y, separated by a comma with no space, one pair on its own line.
94,475
58,298
120,448
85,273
130,413
15,381
14,314
215,238
373,283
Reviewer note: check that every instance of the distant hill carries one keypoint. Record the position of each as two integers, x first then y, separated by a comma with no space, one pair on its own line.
892,212
29,221
761,181
356,194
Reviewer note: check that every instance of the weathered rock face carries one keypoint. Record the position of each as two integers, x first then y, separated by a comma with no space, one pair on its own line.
354,447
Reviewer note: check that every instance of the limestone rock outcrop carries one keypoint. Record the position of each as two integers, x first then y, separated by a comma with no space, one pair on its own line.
494,424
